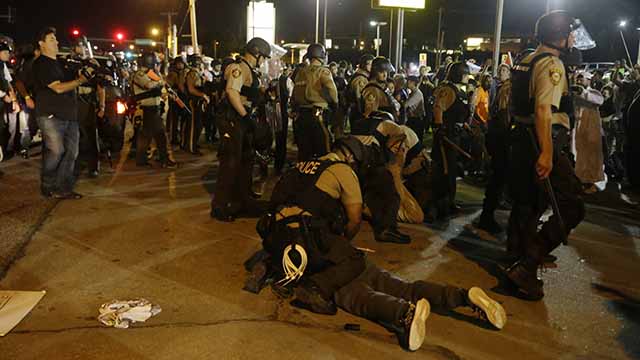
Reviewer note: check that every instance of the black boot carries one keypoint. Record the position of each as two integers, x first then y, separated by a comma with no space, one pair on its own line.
392,236
489,224
524,275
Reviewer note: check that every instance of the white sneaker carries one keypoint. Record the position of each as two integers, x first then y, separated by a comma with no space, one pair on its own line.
492,310
419,324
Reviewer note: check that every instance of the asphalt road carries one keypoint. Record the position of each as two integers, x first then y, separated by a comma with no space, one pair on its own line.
147,233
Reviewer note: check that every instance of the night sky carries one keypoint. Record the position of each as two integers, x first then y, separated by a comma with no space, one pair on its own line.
224,19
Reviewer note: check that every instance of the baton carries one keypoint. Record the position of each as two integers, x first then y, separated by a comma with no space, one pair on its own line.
457,148
550,193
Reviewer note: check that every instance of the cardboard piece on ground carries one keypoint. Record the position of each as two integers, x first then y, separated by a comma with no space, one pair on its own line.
15,305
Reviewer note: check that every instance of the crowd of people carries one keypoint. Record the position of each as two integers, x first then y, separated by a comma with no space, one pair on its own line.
373,142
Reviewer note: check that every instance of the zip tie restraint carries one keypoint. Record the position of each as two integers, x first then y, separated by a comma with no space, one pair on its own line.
292,271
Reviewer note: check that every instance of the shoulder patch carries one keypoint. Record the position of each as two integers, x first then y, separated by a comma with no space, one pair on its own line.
371,97
556,76
235,73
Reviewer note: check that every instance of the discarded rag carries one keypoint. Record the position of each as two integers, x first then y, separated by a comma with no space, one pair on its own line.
120,314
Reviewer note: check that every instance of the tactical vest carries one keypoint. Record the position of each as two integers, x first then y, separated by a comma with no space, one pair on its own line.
297,188
459,111
387,105
522,103
4,84
300,83
351,96
252,93
413,152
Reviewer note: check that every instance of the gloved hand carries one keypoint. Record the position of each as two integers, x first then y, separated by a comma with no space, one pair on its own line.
249,122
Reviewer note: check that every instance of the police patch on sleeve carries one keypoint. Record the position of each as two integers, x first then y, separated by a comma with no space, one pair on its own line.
235,73
556,76
371,98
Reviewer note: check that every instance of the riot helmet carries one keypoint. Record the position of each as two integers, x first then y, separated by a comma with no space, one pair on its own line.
195,60
380,65
149,60
559,25
458,73
259,47
316,51
381,116
354,151
365,62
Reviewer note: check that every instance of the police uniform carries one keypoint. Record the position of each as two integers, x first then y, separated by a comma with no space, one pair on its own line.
314,91
87,119
497,143
382,192
540,79
308,204
112,127
173,117
417,169
152,126
376,98
358,81
453,103
236,151
194,126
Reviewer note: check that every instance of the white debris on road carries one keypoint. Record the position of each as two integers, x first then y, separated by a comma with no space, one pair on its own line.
120,314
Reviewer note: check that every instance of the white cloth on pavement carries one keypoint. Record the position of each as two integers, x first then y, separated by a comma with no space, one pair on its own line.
120,314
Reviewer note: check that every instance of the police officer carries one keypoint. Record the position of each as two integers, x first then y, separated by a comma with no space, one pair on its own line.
316,212
338,116
284,93
147,83
538,85
451,108
497,142
376,96
175,79
198,101
111,125
236,126
314,93
357,82
90,104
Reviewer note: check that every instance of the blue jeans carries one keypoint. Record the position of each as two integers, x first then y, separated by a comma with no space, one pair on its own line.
59,152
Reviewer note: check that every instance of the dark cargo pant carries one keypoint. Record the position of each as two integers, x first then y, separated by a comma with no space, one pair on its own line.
312,135
152,128
380,296
530,201
498,147
236,155
382,199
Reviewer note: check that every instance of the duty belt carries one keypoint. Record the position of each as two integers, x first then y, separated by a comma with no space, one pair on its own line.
521,120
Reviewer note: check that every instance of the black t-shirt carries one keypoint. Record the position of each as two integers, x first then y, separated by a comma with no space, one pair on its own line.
63,106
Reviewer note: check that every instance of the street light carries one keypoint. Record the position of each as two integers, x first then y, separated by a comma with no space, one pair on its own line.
155,32
377,26
622,24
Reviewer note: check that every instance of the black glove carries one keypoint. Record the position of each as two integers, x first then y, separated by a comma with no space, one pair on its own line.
249,122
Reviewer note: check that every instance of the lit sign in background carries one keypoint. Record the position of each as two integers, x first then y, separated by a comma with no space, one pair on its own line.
261,21
407,4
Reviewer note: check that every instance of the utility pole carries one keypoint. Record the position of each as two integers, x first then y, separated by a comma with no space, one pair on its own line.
194,27
498,36
549,6
438,41
399,39
172,41
390,33
317,20
324,28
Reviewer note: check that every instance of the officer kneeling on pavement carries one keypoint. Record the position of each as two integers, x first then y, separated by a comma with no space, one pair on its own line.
147,87
316,212
541,172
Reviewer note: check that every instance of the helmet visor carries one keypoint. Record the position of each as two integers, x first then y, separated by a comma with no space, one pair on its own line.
582,40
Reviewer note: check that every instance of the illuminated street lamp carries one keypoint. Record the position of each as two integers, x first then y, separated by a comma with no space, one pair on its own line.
378,40
638,45
131,47
623,24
